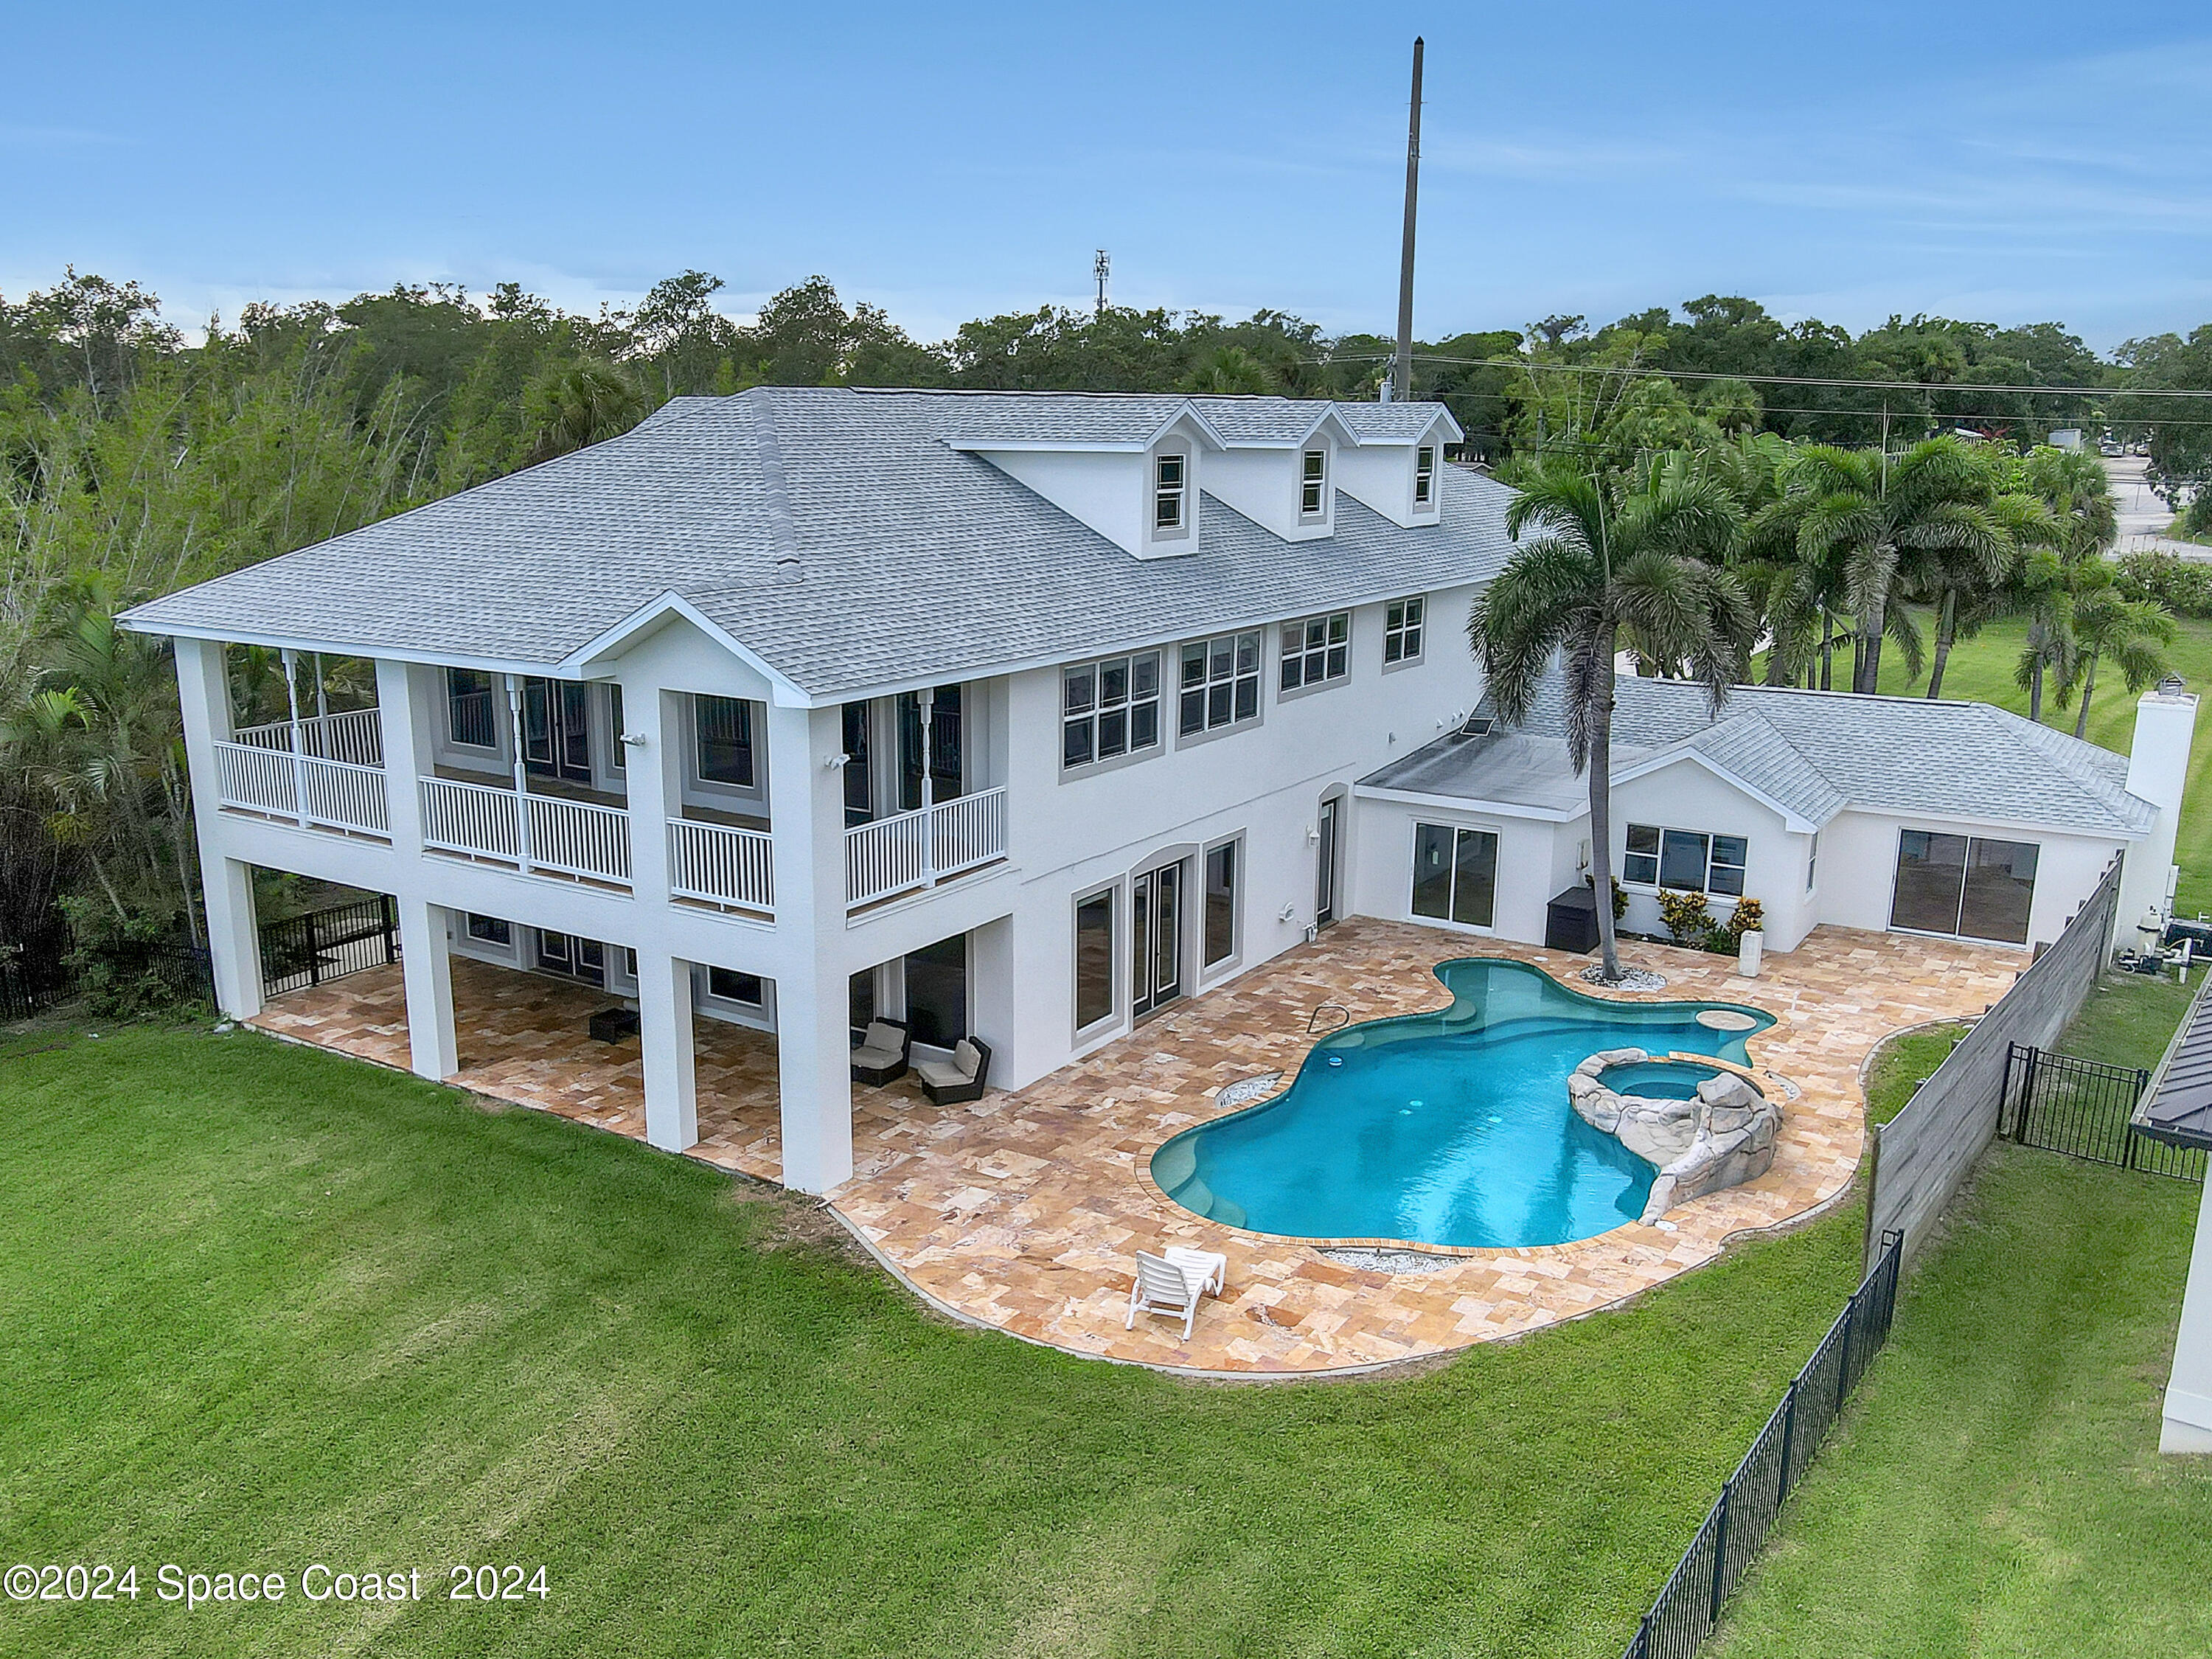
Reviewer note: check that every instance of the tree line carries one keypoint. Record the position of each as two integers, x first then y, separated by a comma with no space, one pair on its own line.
136,461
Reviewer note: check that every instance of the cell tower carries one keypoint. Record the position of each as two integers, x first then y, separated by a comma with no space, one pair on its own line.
1099,268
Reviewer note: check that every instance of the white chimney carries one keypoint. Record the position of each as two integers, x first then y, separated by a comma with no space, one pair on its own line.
2158,771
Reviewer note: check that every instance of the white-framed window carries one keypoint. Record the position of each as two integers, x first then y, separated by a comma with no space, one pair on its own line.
1317,649
1313,483
1425,475
1812,860
1220,683
1687,860
1094,957
617,750
1455,874
1170,487
469,718
1403,624
1110,708
732,985
490,929
724,730
1218,933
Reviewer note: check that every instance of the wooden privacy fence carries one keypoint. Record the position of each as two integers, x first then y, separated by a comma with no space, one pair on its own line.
1924,1155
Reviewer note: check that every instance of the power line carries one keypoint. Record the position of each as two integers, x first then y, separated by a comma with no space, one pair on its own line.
1780,379
1876,414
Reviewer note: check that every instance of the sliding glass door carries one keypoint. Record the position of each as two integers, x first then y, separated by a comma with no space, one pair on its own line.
1964,885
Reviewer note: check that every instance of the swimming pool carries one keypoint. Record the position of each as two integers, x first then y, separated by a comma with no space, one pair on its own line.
1451,1127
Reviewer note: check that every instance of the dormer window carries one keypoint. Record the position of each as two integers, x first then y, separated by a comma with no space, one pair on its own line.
1169,486
1313,483
1425,475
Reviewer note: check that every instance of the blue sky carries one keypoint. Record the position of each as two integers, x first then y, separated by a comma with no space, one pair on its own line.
2021,162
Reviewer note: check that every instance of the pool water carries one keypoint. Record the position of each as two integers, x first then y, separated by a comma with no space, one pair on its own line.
1657,1080
1443,1128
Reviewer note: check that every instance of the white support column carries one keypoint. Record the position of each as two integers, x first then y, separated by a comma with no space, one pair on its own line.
521,773
813,1049
2188,1410
299,739
654,771
233,941
405,721
433,1051
671,1088
233,934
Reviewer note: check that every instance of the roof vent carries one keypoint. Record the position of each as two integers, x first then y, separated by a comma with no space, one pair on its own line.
1476,726
789,569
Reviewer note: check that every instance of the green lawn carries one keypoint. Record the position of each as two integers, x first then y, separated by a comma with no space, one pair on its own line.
1995,1488
267,1307
1903,1063
1981,670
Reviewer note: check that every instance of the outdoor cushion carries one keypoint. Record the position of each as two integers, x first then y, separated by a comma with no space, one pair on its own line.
875,1059
944,1076
884,1037
967,1058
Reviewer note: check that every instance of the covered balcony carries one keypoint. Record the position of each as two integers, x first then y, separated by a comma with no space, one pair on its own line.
322,772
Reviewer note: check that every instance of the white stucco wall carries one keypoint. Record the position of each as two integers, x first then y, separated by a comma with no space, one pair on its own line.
1687,796
1535,860
1858,868
1264,782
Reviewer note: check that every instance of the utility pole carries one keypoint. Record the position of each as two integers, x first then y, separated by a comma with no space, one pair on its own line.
1099,267
1401,369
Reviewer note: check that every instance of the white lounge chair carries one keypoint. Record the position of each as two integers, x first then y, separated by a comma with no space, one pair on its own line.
1211,1266
1163,1286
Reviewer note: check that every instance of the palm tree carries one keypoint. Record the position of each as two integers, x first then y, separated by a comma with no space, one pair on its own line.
2133,633
1974,583
1227,369
2066,556
2042,591
1886,521
578,403
1613,563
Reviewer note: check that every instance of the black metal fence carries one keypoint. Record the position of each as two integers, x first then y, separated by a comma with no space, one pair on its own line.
328,944
1690,1606
2081,1108
126,978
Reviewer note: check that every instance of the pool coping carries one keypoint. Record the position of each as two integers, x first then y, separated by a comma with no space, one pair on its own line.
1525,1252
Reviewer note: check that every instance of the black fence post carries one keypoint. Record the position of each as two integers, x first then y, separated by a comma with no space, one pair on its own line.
1844,1355
314,961
390,909
1789,1438
1720,1552
2026,1095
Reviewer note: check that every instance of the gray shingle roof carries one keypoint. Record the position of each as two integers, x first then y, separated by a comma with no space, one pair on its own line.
914,558
1814,752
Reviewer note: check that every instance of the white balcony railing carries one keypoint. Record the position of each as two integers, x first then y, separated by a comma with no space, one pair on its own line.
323,794
722,864
354,738
914,849
541,833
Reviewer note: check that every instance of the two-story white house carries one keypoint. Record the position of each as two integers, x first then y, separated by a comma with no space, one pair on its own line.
1022,717
1017,716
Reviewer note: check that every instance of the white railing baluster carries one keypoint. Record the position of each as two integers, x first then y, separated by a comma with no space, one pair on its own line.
720,864
914,849
565,838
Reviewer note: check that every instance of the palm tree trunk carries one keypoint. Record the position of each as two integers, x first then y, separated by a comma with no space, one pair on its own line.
2088,690
1867,673
1946,631
2035,691
1601,800
1828,651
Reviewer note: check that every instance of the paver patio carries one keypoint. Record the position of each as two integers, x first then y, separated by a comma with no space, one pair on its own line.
1022,1210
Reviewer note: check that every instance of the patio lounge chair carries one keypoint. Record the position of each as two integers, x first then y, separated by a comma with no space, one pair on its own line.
880,1056
962,1077
1163,1286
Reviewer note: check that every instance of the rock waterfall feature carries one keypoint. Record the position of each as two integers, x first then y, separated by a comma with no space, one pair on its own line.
1721,1138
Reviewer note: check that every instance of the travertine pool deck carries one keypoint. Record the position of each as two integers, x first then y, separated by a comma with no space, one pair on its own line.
1022,1210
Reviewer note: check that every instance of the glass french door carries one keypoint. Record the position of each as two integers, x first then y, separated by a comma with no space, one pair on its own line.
556,729
1325,870
1156,938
